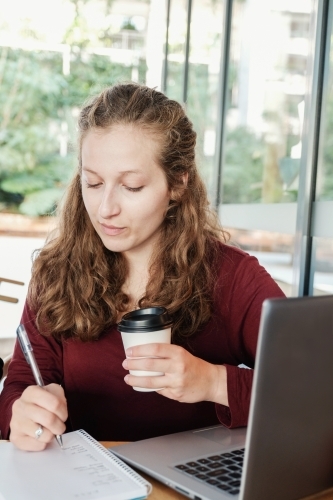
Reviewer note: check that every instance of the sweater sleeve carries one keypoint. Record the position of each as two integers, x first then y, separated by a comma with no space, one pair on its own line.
48,354
249,287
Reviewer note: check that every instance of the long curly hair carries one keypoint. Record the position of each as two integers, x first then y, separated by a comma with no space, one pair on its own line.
76,284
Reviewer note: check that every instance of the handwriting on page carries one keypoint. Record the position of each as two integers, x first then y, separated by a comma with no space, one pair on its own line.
82,470
97,471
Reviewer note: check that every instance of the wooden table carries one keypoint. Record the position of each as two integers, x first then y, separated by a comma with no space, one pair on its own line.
162,492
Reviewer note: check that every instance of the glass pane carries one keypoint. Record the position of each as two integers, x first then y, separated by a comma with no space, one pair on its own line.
204,68
322,266
325,165
266,101
273,250
35,161
53,56
176,49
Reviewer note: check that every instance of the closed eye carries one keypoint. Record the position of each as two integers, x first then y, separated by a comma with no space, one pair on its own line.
134,190
93,185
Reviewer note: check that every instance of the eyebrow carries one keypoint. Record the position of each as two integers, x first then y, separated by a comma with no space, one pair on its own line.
124,172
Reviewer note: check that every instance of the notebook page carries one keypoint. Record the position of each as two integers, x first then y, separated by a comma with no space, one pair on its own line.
76,472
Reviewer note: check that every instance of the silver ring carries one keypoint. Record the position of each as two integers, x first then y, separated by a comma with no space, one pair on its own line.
39,432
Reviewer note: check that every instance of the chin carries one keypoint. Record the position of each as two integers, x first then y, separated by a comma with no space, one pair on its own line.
114,246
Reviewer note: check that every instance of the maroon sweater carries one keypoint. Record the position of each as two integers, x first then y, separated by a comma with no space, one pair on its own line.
92,375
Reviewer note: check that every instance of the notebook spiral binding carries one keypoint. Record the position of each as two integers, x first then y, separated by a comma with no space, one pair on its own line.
113,458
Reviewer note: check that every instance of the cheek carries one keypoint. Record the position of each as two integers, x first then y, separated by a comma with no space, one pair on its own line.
152,211
86,201
90,200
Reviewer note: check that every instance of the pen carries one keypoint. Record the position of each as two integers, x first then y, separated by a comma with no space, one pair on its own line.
27,350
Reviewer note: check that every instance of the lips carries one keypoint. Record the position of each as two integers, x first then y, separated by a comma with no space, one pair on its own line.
112,230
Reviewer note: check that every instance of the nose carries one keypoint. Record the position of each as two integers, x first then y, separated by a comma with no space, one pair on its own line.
110,205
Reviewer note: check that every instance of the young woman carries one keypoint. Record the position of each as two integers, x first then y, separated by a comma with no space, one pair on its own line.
135,230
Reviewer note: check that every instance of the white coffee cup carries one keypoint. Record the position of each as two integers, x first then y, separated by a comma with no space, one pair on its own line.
145,326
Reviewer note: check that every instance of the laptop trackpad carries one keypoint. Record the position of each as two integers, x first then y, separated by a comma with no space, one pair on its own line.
223,435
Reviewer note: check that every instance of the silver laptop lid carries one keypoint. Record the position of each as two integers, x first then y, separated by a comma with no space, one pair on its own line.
289,446
289,441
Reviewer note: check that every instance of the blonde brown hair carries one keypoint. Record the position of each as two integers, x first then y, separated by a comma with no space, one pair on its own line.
76,285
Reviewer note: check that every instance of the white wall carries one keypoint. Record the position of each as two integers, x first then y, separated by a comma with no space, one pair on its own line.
15,263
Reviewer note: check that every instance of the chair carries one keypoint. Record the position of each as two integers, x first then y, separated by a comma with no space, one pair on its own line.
8,358
6,362
13,282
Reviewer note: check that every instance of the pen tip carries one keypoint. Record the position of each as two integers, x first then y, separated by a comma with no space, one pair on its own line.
59,440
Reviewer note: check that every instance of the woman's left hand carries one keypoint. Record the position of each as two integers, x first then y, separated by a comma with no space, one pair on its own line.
186,378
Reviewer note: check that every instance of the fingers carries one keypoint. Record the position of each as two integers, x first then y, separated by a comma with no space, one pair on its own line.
155,357
158,350
56,390
23,429
186,378
153,383
147,364
45,407
44,417
27,443
30,429
163,358
56,401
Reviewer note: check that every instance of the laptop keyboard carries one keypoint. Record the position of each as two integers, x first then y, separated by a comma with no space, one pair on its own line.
221,471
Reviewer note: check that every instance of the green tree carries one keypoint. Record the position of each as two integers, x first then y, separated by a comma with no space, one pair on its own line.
243,167
32,85
38,109
326,188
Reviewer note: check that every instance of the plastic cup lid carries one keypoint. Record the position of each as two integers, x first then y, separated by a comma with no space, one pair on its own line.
147,319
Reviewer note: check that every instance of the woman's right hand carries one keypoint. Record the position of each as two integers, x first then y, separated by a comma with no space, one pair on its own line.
38,406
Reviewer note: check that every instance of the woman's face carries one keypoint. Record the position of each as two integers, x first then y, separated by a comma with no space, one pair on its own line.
124,190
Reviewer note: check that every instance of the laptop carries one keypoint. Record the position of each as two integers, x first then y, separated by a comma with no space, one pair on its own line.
287,450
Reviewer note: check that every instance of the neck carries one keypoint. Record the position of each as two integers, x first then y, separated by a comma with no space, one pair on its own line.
138,276
138,262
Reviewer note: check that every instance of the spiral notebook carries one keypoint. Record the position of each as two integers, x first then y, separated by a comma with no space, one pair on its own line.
82,470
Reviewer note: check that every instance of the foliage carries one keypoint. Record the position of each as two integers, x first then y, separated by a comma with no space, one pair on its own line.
32,85
243,167
38,108
198,106
325,189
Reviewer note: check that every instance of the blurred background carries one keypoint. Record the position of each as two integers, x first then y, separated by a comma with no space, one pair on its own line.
255,77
